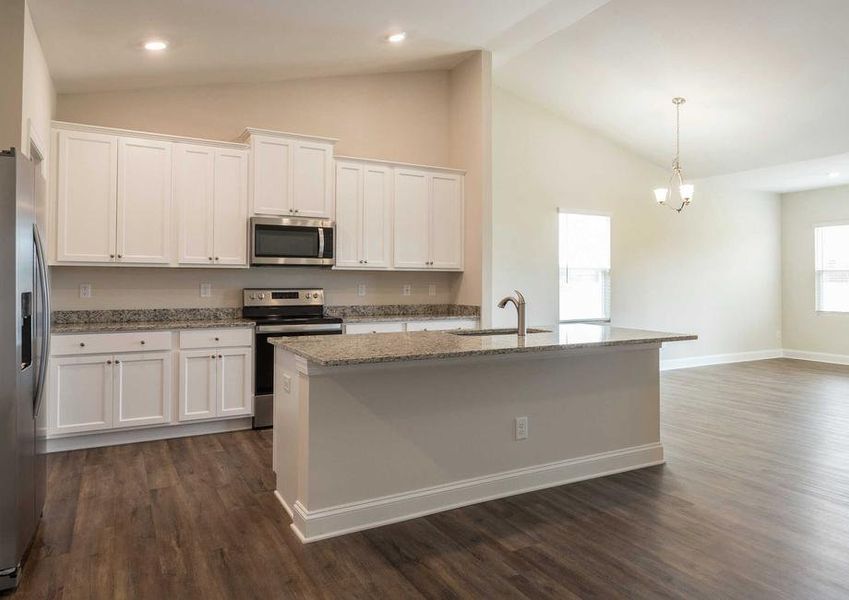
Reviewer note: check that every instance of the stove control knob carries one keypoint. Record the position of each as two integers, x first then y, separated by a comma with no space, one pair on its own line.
315,295
253,296
262,296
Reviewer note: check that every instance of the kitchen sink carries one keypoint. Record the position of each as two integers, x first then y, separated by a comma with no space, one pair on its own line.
480,332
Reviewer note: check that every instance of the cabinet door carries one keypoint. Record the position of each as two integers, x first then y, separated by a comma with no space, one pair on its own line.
80,393
446,226
141,389
193,197
412,218
271,175
197,394
234,382
144,201
377,217
231,207
348,212
86,191
312,179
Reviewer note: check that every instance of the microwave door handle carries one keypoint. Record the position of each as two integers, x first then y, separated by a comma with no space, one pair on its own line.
321,242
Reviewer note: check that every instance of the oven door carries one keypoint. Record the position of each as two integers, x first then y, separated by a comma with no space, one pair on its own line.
291,241
264,363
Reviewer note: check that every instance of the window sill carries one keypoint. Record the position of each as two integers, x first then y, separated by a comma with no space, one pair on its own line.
595,321
832,312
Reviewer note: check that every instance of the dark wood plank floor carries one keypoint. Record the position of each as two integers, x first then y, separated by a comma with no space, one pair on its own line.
752,503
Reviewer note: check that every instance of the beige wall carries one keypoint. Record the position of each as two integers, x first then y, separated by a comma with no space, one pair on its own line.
395,116
12,14
804,329
470,148
421,117
38,95
714,270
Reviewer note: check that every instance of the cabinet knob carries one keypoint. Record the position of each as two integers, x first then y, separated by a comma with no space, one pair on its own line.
216,258
111,256
219,356
142,342
211,356
119,256
82,344
108,362
216,339
210,258
117,362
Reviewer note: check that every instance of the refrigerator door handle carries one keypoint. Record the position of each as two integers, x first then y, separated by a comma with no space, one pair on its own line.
45,311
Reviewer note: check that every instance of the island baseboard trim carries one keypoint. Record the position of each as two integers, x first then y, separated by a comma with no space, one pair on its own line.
285,504
719,359
312,526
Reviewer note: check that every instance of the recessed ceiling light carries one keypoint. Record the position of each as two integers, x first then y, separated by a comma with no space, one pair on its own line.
155,45
397,38
834,174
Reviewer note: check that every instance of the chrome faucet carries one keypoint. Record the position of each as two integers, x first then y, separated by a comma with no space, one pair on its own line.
519,302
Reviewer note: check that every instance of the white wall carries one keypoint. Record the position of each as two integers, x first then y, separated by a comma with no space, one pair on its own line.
804,329
714,270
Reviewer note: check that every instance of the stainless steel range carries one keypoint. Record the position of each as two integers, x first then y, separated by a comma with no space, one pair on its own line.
281,313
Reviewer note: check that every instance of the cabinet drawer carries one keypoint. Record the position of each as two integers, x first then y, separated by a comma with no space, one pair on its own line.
442,325
377,327
109,343
215,338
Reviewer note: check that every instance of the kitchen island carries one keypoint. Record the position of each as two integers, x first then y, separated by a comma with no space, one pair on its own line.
377,428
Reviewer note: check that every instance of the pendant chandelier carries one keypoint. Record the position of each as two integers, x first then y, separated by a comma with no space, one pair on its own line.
664,196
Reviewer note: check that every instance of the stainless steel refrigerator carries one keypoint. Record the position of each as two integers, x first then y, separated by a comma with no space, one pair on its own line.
24,347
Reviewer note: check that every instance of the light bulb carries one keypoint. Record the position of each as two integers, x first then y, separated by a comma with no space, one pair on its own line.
397,38
155,45
660,195
686,190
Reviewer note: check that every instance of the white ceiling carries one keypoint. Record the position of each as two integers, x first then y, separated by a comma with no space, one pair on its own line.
794,177
766,80
94,45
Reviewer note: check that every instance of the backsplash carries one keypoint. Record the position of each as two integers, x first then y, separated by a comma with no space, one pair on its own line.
403,310
137,287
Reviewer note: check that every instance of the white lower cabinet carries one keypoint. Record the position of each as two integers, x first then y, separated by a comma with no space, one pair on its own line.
100,382
215,382
80,393
141,389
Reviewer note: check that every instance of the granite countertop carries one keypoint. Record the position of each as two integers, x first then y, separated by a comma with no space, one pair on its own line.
410,317
122,326
391,347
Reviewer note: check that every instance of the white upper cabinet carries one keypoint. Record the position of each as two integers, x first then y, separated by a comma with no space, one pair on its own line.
291,175
412,219
86,190
194,168
428,220
211,191
231,207
446,231
363,215
144,201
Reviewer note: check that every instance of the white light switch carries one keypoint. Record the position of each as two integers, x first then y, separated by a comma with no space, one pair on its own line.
406,290
85,290
521,428
206,290
361,289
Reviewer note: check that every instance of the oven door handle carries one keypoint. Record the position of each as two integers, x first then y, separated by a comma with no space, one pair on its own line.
337,327
320,242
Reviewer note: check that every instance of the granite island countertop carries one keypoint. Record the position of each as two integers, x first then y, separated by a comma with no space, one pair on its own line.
373,348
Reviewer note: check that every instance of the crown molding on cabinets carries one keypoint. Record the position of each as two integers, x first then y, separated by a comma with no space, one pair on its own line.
164,137
393,163
249,131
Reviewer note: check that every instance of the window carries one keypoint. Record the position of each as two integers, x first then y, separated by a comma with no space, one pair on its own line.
584,267
832,267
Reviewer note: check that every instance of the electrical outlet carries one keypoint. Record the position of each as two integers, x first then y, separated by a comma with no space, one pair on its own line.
521,428
85,290
407,289
206,290
361,289
287,383
431,289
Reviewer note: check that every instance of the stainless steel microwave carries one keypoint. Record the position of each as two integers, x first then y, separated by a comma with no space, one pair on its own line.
291,241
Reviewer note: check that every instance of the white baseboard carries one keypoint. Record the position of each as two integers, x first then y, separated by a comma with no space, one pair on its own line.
311,526
131,436
718,359
823,357
284,503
